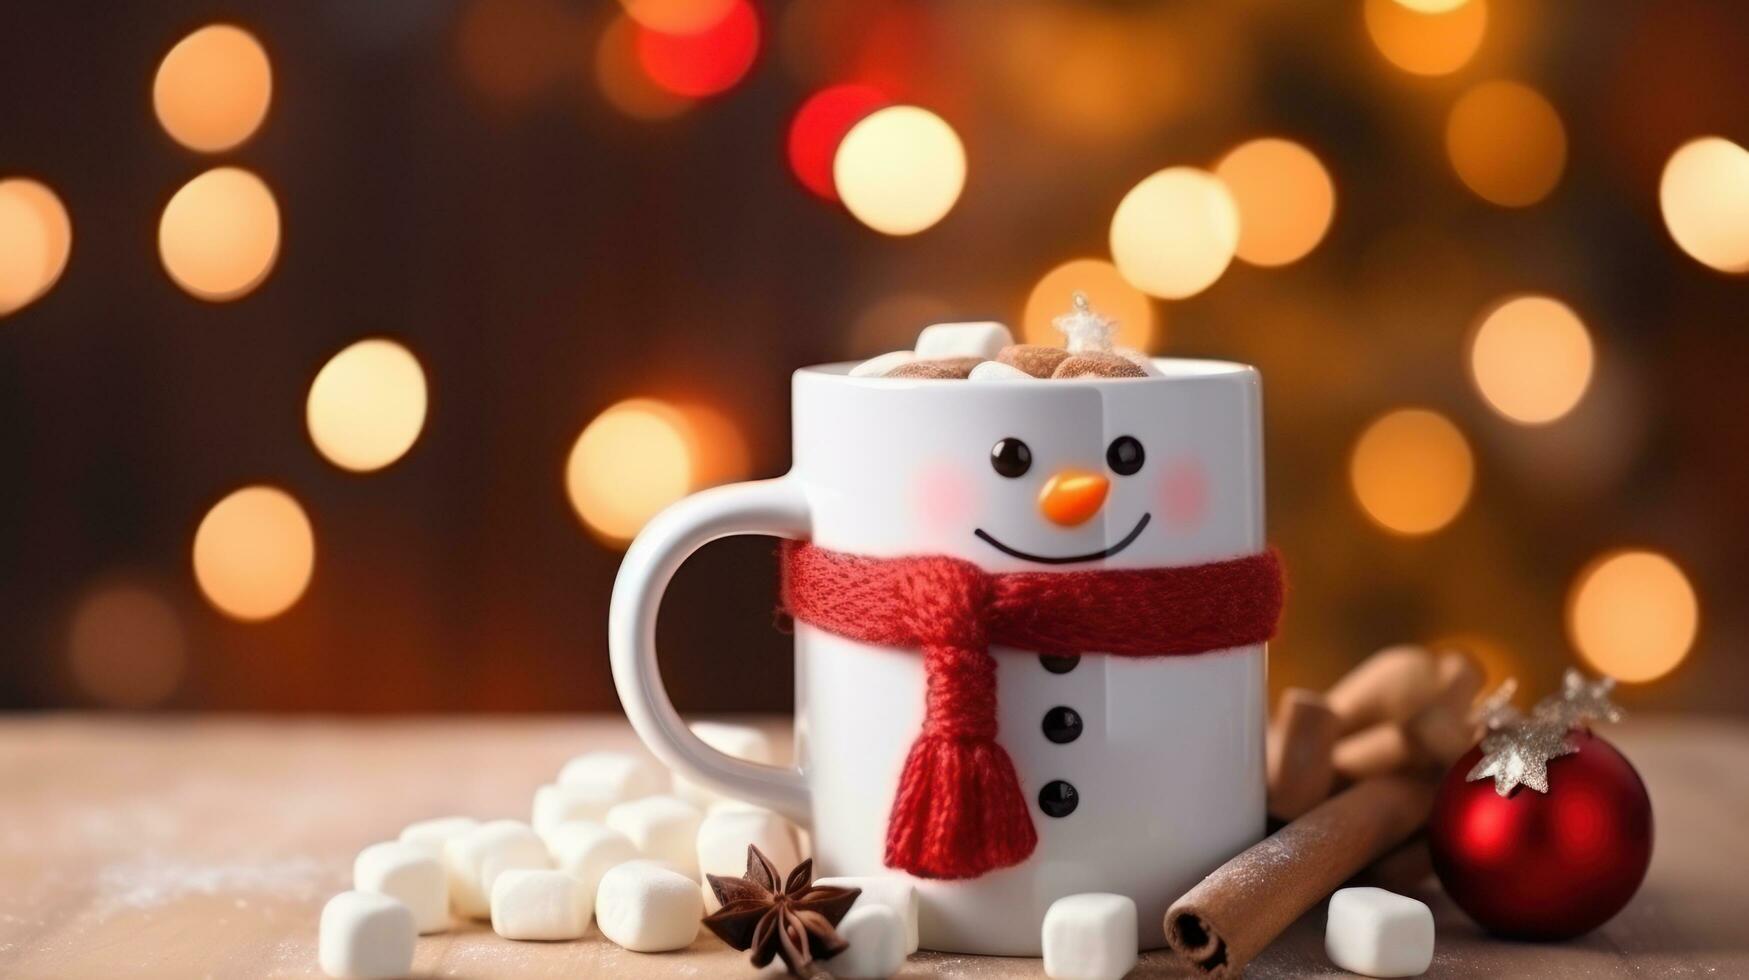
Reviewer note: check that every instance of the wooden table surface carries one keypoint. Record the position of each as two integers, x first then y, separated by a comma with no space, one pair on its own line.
205,847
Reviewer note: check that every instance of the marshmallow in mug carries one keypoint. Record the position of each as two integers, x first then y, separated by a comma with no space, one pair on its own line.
985,351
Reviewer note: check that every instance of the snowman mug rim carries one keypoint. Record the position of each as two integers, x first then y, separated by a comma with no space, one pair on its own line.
1172,369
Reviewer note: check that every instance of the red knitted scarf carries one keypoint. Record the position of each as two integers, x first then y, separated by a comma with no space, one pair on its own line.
959,811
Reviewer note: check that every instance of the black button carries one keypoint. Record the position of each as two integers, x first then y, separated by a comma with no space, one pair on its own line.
1058,799
1059,665
1062,725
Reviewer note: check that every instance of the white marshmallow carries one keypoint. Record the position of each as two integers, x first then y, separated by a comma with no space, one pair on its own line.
879,365
740,741
997,371
661,827
983,339
409,873
891,891
877,944
1378,933
1140,359
585,850
727,805
536,904
722,845
365,936
619,776
475,859
556,803
435,833
647,908
1091,936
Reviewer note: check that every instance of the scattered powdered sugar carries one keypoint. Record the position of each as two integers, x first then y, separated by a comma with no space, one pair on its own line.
150,882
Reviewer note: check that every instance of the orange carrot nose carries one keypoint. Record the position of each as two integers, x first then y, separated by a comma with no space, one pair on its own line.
1070,497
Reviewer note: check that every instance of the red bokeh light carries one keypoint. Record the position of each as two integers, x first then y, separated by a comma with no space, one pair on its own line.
820,125
706,63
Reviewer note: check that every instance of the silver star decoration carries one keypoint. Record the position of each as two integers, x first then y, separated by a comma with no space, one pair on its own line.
1581,701
1519,754
1496,711
1085,329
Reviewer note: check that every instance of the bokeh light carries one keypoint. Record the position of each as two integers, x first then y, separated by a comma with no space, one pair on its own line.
126,647
1704,194
254,553
1506,143
1633,615
367,405
706,62
213,88
1285,198
36,238
1531,359
1107,292
1427,43
220,234
900,169
718,450
624,83
1412,471
632,460
1432,6
678,16
1175,232
820,125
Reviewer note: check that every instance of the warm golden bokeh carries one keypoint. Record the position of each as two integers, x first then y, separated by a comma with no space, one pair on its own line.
1531,359
1412,471
213,88
1431,43
1106,290
718,450
1285,197
1704,195
1432,6
219,235
624,83
126,647
36,238
1506,143
1175,232
900,169
254,553
367,405
634,459
1633,615
677,16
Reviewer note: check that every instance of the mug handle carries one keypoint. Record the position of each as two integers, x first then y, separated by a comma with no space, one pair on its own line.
775,507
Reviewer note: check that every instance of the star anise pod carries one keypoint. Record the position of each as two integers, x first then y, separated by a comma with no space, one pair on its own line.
792,921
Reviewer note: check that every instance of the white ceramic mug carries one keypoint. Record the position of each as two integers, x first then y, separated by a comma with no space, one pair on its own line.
1167,767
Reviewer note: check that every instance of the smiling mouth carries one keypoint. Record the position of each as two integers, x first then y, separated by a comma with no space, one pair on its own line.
1129,538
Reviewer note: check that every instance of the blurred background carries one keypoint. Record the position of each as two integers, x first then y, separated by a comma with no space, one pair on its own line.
344,344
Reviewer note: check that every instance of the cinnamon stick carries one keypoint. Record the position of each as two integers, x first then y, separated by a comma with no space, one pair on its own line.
1391,685
1301,737
1230,916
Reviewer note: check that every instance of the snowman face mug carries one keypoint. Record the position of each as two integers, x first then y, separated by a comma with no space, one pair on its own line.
1030,624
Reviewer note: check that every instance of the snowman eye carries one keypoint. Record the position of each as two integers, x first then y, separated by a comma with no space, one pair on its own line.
1010,458
1125,456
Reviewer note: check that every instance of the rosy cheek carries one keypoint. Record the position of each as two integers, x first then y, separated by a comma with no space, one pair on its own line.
944,497
1184,493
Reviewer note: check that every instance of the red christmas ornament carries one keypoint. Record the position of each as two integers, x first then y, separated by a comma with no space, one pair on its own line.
1541,865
